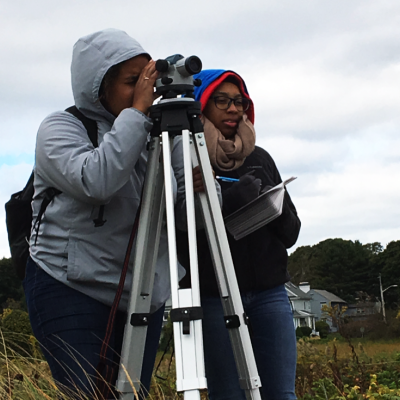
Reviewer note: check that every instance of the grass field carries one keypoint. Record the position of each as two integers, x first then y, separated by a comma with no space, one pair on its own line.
333,369
342,366
384,350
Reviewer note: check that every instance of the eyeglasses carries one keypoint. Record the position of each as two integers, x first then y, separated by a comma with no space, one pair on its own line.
223,103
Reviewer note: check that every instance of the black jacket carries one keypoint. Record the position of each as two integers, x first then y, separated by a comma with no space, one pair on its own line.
260,258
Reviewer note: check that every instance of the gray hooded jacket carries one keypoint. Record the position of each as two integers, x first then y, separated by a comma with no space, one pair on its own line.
69,247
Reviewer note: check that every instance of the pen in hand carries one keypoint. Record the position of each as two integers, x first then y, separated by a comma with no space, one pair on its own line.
226,179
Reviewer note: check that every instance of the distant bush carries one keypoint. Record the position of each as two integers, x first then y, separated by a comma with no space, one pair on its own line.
302,331
17,330
323,328
299,332
372,327
16,321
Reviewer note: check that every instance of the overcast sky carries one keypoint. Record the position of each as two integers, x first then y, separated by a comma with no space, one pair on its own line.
324,77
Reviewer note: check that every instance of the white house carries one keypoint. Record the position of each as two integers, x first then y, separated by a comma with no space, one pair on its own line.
301,305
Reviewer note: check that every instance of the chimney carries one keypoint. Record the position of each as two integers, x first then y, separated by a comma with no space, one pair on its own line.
304,286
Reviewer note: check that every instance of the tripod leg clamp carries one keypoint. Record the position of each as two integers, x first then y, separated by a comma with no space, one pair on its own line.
250,383
232,321
185,315
140,319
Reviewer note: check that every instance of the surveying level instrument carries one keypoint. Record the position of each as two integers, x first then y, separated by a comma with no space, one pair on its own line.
172,117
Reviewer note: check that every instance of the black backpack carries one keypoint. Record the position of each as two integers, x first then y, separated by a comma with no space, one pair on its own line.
19,208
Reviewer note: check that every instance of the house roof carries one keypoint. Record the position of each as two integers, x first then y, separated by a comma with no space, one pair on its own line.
302,314
328,295
295,293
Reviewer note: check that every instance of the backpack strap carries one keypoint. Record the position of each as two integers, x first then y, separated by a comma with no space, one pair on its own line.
89,124
49,195
91,128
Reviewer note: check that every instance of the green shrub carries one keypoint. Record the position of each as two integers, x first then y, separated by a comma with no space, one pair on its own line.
299,332
323,328
389,378
323,389
16,321
302,331
17,331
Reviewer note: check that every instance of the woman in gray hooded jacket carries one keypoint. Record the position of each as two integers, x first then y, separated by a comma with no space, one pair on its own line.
74,267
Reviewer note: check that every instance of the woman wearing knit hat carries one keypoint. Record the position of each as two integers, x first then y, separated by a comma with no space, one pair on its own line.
260,259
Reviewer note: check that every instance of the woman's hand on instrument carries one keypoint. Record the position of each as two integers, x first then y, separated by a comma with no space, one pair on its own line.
144,88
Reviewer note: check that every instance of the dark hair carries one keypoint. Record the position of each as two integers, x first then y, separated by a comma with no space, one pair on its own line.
233,79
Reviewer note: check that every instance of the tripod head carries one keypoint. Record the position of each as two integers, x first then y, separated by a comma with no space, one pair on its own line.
174,114
176,76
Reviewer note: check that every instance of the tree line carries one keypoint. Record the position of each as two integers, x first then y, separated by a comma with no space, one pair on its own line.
349,269
346,268
11,291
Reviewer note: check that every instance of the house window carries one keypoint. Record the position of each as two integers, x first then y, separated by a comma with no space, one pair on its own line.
303,322
323,303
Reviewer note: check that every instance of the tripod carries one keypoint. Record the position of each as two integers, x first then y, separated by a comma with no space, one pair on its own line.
173,117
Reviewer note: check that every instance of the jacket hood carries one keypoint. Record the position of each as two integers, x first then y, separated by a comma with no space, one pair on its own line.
211,79
92,57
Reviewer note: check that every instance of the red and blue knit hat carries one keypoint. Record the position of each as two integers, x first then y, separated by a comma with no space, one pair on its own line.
211,79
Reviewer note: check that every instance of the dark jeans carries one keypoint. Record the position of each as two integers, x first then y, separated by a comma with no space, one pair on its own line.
70,328
274,344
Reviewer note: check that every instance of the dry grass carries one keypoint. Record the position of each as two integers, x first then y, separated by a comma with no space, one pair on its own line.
376,350
28,377
347,364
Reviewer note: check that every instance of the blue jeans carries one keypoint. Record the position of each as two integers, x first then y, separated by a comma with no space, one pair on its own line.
274,343
70,328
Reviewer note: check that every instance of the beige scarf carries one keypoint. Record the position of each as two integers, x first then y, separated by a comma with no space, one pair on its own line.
228,154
